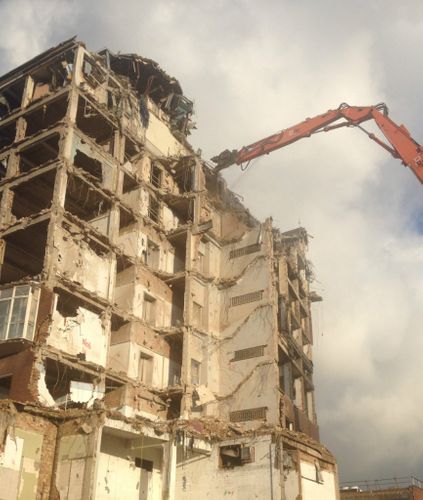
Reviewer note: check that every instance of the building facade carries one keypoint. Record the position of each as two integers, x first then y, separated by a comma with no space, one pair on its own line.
155,338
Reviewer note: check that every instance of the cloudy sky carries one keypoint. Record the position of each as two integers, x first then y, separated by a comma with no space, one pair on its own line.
253,68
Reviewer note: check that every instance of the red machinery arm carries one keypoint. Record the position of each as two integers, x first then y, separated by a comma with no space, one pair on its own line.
401,144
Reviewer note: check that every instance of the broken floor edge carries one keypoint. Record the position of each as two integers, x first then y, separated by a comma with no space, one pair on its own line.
208,429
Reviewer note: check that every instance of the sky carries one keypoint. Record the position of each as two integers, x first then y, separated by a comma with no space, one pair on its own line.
254,68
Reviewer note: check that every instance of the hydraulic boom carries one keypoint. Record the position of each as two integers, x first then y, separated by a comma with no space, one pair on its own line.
401,144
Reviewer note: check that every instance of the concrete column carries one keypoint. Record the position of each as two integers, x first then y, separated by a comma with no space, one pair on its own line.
169,470
28,92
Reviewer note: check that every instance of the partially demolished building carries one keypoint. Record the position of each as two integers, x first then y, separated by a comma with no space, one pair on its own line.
155,338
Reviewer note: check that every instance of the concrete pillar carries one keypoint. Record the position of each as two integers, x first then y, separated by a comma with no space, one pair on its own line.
169,470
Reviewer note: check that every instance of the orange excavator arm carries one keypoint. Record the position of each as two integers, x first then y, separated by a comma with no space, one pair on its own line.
401,144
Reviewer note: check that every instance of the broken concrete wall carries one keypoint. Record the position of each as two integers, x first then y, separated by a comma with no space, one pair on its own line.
161,141
81,332
93,161
246,343
26,455
77,262
136,346
145,296
78,443
140,241
133,401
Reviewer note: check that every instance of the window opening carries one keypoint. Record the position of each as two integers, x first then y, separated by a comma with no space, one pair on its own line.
5,385
145,368
144,464
235,455
149,310
195,372
18,310
153,209
197,315
155,175
153,254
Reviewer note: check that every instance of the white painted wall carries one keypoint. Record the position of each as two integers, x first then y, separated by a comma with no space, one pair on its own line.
160,139
117,476
84,333
199,476
311,489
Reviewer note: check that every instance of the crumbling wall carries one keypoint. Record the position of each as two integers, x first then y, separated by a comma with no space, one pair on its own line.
78,443
77,262
135,339
27,445
134,287
82,332
246,342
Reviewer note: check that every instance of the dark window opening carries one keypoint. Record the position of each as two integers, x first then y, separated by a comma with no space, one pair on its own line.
7,135
153,255
95,244
39,153
129,183
93,73
33,196
126,218
46,116
184,173
149,309
95,125
131,149
155,175
67,304
88,204
235,456
286,381
5,385
54,75
179,243
59,378
182,207
11,97
154,209
90,165
122,263
112,385
175,356
174,409
3,167
24,252
177,311
144,464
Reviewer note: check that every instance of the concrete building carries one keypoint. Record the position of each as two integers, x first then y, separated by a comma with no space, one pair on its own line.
402,488
155,338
